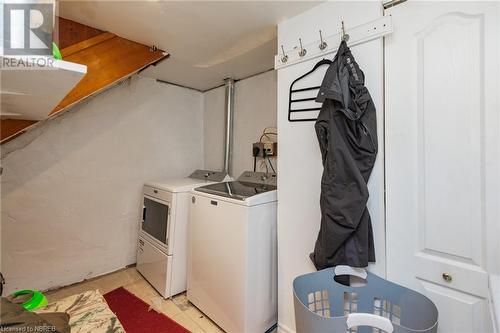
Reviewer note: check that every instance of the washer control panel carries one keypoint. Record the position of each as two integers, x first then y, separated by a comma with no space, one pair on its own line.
214,176
259,178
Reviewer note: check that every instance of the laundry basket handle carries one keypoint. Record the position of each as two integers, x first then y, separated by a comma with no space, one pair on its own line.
348,270
371,320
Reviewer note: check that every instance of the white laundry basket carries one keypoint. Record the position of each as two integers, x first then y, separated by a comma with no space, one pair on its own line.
324,306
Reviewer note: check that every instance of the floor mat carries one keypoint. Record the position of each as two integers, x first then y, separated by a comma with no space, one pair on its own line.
88,312
134,315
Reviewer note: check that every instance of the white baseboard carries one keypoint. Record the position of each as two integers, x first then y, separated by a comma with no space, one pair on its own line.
284,329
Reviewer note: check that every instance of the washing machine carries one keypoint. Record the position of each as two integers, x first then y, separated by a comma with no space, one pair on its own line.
232,252
162,243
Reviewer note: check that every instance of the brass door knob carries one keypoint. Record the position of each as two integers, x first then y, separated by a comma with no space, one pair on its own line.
447,277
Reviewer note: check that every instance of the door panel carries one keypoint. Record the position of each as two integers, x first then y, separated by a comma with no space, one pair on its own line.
466,310
439,118
432,268
449,145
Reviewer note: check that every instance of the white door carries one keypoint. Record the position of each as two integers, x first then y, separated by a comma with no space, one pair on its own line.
442,126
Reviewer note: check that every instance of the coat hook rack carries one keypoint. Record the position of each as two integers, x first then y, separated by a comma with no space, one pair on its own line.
302,51
323,45
359,34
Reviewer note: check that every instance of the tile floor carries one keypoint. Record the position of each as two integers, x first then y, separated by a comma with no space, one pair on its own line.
179,309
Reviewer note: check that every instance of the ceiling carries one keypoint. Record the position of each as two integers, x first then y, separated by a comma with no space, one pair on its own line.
207,40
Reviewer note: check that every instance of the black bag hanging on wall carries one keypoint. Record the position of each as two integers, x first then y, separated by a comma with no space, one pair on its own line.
347,133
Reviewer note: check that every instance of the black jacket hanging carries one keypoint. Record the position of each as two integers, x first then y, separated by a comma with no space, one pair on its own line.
347,133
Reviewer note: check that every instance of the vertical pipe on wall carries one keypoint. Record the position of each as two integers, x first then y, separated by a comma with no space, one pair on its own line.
228,135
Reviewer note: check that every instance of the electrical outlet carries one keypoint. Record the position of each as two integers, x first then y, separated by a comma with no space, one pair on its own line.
258,149
271,148
263,149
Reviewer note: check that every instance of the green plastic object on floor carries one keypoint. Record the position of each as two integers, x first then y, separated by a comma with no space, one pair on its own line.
37,300
55,52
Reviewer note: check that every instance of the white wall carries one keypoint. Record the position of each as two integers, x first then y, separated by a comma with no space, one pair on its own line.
254,109
71,189
300,165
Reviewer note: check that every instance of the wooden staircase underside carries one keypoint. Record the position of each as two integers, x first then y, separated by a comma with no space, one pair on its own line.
109,59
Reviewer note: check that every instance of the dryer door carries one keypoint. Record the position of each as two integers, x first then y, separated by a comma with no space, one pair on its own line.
156,220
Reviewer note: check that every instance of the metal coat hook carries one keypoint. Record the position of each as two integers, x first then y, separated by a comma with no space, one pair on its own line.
323,45
284,57
345,37
302,51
